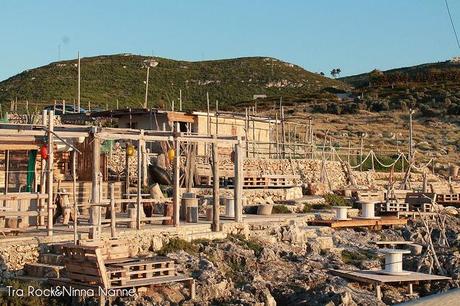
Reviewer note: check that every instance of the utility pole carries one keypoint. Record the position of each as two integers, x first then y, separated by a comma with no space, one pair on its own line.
180,99
78,86
147,86
148,63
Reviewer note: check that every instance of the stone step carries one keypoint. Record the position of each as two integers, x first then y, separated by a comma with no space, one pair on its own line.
41,270
51,259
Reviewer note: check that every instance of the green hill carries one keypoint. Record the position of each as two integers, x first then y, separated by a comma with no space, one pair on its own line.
121,77
445,72
433,89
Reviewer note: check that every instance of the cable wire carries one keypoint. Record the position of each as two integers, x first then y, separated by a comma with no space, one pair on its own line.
452,23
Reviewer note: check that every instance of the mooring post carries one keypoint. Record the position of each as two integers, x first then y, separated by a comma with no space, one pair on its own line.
215,185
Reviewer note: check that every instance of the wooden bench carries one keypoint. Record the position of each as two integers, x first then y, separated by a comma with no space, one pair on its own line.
91,265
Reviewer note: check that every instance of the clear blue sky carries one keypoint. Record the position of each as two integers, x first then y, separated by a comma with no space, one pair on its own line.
354,35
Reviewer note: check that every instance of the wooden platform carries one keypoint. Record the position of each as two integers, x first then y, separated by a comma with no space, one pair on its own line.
368,276
377,279
355,222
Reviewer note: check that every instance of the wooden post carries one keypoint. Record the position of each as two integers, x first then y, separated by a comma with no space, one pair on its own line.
208,122
7,169
176,177
361,153
41,219
50,172
139,184
246,131
113,215
283,133
215,184
95,196
372,161
253,134
74,191
217,117
238,181
78,85
277,136
349,150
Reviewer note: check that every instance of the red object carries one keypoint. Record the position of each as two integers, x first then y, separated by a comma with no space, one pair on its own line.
44,152
232,156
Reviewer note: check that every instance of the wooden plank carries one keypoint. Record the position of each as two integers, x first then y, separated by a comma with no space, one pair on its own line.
359,222
154,281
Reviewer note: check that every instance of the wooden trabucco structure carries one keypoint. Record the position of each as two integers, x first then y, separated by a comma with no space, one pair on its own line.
49,133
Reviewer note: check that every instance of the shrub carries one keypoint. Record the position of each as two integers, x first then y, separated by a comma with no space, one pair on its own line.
335,200
177,244
280,209
356,257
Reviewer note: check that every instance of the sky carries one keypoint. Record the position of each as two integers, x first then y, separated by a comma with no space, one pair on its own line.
319,35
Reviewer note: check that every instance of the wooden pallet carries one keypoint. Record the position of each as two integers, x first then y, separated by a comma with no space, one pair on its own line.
87,265
449,199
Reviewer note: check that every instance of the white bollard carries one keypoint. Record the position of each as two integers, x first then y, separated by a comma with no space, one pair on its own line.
394,261
230,207
368,210
341,212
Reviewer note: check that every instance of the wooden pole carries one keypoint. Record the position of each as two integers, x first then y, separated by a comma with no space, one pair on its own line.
41,219
74,191
208,122
238,184
246,131
139,184
95,196
63,107
50,172
217,117
113,216
176,177
361,153
215,185
283,132
253,133
7,170
127,172
78,85
277,136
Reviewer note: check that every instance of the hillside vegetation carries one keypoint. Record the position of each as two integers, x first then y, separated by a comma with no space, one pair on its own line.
121,77
433,89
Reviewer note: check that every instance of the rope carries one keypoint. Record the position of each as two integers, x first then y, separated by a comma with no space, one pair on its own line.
354,167
386,166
